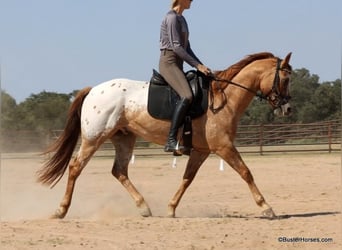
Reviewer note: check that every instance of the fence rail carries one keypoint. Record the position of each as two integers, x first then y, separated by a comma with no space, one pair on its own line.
321,136
260,139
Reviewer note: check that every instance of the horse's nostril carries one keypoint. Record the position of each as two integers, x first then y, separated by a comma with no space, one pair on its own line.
289,110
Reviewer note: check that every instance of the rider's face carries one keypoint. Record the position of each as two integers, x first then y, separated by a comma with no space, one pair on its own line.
186,3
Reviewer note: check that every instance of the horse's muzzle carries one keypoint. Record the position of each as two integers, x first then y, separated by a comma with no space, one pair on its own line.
283,110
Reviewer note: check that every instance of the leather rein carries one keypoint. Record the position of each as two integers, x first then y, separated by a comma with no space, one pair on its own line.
277,97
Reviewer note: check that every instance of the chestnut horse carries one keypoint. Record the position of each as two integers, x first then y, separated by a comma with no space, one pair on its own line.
117,110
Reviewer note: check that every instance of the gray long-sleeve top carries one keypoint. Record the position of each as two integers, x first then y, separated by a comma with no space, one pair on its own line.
174,35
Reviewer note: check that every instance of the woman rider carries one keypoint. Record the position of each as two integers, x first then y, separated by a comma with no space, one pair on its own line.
175,49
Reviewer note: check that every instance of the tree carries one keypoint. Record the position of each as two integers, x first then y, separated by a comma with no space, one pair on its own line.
327,100
8,111
44,111
311,102
303,86
258,112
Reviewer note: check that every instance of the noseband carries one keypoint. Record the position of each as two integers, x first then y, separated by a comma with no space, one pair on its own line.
274,95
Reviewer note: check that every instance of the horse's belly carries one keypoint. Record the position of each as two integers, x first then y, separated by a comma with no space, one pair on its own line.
106,103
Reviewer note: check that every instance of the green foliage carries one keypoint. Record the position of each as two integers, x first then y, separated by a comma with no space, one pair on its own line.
311,102
303,86
327,100
39,112
257,113
8,110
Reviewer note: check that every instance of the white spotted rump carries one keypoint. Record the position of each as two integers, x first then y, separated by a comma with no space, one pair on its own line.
106,102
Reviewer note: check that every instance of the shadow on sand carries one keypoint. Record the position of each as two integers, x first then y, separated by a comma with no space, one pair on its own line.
305,215
284,216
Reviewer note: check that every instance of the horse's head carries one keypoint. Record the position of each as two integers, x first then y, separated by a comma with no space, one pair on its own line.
275,87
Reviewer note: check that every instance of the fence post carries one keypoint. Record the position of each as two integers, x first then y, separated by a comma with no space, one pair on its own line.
329,136
261,138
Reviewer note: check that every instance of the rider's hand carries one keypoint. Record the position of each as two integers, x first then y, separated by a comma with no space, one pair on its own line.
204,69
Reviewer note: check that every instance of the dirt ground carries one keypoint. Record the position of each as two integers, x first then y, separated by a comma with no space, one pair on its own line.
217,211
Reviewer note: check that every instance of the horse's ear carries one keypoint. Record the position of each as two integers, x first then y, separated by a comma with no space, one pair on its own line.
286,61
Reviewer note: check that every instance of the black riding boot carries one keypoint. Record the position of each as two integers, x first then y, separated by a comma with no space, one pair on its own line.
182,107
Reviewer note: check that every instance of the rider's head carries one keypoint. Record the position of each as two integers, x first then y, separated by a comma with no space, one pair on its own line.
185,4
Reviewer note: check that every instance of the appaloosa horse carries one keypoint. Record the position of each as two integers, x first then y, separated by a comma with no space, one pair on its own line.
116,110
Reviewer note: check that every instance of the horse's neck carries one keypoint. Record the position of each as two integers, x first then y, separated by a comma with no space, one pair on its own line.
239,98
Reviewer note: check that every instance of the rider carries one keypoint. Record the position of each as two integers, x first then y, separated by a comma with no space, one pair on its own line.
175,49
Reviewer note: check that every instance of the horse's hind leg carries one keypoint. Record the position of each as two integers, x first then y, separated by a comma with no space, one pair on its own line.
194,163
124,144
87,149
233,158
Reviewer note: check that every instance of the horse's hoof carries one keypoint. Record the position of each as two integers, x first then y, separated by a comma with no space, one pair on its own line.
269,214
171,213
145,212
58,215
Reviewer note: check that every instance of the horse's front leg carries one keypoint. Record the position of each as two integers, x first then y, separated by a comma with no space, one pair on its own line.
194,163
233,158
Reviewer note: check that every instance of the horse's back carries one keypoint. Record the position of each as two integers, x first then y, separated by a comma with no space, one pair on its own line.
106,102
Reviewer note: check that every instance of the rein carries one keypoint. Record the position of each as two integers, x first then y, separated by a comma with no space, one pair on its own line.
259,94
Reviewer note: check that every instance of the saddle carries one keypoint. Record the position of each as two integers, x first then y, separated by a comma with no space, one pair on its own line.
162,101
162,98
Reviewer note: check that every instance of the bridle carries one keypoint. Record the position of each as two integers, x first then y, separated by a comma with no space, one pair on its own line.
274,96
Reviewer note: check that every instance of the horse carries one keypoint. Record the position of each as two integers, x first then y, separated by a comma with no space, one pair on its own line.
116,110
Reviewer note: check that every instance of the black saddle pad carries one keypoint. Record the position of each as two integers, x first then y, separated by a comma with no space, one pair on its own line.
162,98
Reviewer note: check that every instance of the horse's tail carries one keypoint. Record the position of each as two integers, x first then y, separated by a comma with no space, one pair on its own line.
64,146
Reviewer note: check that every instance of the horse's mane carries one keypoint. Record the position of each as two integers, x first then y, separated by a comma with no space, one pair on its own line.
233,70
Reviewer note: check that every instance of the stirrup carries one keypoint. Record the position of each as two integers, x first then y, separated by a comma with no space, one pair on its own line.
177,152
182,151
177,149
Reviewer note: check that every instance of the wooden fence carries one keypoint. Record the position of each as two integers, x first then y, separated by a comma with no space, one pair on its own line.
321,136
260,139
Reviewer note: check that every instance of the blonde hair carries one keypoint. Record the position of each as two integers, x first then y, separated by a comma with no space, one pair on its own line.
174,3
